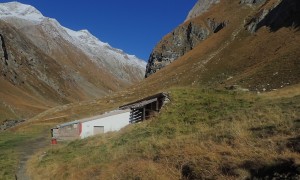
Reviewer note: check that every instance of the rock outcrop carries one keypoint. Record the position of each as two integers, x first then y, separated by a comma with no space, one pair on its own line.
8,63
9,123
251,1
5,55
180,41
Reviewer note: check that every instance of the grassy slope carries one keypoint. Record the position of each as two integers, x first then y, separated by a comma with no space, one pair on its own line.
9,154
200,134
18,104
256,61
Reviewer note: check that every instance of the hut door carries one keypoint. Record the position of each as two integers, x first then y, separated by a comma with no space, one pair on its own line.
55,133
98,130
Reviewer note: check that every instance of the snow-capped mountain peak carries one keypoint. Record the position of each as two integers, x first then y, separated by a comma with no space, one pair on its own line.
22,11
85,31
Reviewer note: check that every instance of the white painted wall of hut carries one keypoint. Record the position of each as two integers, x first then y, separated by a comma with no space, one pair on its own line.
110,123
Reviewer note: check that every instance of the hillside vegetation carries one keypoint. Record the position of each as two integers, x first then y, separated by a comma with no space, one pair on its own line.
201,134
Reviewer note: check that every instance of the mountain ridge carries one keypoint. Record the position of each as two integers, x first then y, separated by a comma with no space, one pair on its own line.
200,7
77,38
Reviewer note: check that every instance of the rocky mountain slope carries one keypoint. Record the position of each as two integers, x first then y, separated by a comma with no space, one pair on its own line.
250,43
50,36
44,64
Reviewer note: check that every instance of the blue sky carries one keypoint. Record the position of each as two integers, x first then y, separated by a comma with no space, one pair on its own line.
134,26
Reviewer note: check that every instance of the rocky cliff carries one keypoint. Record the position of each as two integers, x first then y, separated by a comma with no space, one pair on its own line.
180,41
184,38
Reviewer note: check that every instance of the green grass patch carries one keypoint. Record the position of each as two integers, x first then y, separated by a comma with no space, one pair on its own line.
12,146
9,153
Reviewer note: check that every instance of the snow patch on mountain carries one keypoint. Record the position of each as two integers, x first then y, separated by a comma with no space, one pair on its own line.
22,11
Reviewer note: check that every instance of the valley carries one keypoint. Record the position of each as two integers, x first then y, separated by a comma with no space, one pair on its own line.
231,70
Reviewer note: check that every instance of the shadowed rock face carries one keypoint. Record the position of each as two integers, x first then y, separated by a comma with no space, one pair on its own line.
284,14
8,63
5,55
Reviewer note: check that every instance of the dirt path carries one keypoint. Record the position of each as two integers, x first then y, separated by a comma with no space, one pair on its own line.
28,149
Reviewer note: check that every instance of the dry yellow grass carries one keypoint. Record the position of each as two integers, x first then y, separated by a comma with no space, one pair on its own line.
200,134
289,91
